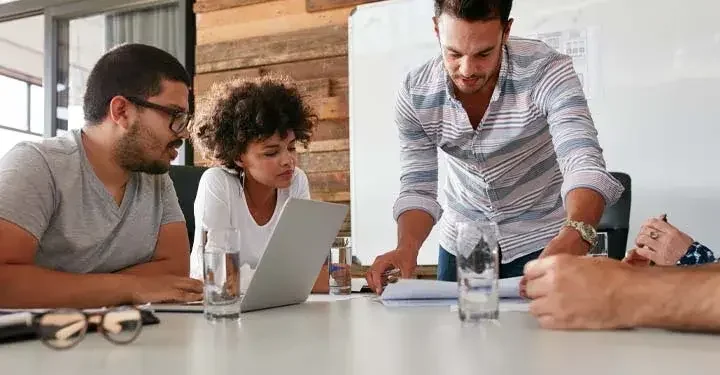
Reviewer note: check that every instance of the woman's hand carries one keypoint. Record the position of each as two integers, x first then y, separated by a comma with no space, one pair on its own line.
660,242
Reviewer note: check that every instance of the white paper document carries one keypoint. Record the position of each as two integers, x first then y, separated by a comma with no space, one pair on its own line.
412,292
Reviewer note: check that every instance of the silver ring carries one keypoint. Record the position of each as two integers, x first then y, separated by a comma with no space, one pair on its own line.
654,235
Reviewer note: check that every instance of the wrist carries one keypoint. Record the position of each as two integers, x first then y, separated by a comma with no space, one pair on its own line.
641,299
573,241
408,249
583,232
128,287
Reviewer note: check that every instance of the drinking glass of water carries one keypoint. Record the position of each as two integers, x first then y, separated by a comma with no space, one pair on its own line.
339,262
221,274
477,271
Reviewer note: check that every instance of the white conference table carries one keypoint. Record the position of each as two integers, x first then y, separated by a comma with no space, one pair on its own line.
360,336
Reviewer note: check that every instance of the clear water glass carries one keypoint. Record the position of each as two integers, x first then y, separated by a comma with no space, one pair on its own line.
477,272
221,274
601,249
339,264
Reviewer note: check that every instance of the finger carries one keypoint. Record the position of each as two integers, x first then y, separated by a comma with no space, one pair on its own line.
190,297
522,287
368,280
406,269
644,240
376,270
635,259
537,268
659,225
548,322
648,254
537,288
191,285
540,307
629,257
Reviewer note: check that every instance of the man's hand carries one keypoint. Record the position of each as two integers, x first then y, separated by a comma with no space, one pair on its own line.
166,289
568,241
405,260
571,292
661,242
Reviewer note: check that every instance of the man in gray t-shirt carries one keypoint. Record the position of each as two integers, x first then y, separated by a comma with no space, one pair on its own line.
91,218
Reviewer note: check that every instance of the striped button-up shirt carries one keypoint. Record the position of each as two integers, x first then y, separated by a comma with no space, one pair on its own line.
536,143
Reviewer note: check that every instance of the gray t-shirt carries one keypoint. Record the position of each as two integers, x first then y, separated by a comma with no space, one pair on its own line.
49,188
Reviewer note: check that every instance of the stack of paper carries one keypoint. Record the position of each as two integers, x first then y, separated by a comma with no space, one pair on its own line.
412,292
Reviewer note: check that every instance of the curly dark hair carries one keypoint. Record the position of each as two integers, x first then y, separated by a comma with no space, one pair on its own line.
235,113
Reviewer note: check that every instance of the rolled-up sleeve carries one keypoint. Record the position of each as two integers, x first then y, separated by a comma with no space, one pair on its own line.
418,161
560,95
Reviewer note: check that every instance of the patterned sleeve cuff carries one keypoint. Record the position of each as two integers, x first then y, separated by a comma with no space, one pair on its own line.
697,254
417,202
600,181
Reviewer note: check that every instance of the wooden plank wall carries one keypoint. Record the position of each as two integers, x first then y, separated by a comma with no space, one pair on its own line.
304,39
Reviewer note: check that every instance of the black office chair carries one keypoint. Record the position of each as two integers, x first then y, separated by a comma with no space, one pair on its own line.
615,221
186,180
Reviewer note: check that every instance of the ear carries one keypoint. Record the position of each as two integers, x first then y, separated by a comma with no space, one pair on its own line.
506,32
119,111
239,162
435,27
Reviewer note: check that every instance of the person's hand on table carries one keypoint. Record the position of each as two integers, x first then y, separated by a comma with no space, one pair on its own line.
166,288
377,275
568,241
660,242
572,292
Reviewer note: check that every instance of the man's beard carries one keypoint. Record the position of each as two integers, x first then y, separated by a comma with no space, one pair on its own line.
131,151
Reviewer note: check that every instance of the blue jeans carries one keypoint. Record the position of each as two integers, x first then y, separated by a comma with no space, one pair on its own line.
447,265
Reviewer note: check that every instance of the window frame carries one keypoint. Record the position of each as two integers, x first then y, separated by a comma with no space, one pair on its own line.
29,82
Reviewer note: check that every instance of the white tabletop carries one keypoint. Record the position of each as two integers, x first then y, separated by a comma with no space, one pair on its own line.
360,336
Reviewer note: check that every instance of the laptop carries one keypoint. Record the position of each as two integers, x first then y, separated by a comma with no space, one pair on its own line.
293,257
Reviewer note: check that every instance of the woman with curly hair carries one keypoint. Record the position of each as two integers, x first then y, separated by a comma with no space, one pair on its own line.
249,129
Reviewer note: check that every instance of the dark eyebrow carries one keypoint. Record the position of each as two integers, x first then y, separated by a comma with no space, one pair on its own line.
272,146
485,51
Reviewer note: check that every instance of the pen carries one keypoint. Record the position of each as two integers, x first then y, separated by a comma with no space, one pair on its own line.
391,275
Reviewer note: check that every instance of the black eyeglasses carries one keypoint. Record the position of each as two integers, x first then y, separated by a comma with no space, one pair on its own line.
179,119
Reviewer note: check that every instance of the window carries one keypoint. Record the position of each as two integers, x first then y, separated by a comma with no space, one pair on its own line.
22,108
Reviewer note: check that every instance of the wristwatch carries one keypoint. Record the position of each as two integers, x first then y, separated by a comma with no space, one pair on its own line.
587,231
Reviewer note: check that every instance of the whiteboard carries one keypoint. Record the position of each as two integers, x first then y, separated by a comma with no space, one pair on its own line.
650,70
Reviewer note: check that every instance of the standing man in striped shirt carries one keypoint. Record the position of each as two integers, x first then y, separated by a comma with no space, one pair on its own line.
522,150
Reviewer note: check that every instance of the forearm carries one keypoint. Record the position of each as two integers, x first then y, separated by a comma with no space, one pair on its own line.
176,267
662,299
586,205
581,204
29,286
414,226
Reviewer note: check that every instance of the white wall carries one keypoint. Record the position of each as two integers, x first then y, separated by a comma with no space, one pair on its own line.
651,70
